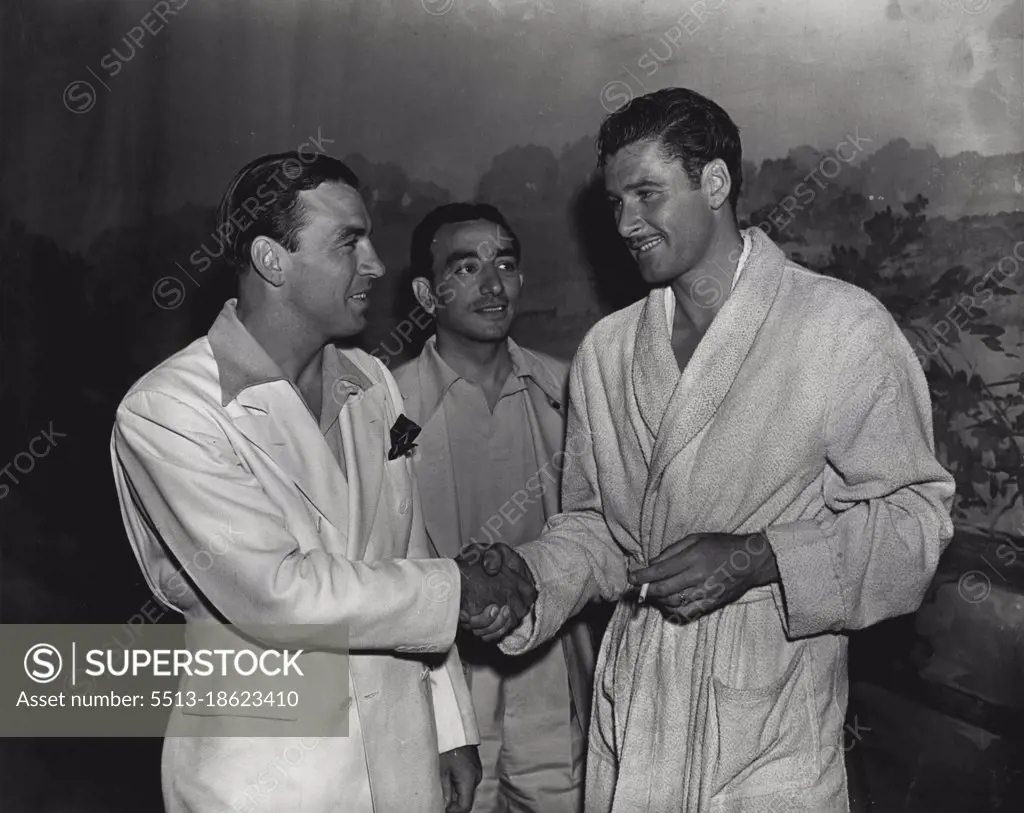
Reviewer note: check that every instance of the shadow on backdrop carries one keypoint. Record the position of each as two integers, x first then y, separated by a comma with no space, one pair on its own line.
614,273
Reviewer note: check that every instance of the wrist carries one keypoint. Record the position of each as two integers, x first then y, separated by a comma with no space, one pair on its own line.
760,548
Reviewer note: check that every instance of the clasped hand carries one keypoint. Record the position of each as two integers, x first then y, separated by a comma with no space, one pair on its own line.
497,591
703,572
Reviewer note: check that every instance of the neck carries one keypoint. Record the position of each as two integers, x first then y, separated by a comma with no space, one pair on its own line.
291,345
480,362
701,291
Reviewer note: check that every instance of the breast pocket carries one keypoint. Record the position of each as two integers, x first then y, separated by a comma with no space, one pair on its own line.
767,736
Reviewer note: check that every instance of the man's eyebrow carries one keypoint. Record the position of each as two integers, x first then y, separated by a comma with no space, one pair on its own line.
632,187
642,182
347,232
464,254
475,254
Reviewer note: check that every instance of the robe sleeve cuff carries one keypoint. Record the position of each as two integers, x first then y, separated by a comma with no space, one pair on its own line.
813,602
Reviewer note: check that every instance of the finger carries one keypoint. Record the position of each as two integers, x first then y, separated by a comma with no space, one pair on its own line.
518,608
482,619
688,597
641,575
499,634
498,629
520,568
528,592
676,547
663,570
446,784
484,625
464,795
678,583
494,561
681,616
689,611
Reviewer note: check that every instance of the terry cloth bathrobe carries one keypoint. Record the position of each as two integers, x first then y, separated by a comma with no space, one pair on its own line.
803,412
240,507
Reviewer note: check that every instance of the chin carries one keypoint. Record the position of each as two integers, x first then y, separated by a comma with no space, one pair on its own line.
658,277
498,334
351,328
663,273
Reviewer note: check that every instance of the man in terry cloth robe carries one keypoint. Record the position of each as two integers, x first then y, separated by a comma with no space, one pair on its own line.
761,468
260,486
487,465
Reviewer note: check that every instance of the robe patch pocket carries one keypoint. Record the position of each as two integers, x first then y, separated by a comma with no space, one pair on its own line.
767,736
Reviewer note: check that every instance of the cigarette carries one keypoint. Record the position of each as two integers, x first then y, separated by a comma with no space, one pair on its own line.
643,591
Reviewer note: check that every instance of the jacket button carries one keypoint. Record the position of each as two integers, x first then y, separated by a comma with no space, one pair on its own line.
403,507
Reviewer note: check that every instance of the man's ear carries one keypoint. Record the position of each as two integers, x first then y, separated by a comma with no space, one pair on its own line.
716,183
269,259
424,294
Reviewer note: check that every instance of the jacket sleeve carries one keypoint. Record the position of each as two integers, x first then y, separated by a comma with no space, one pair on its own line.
183,480
576,559
873,552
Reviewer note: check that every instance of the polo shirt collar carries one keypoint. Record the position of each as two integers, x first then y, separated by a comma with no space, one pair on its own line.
439,377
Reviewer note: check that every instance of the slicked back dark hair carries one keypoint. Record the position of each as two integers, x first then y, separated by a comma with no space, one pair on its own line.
421,256
263,200
690,128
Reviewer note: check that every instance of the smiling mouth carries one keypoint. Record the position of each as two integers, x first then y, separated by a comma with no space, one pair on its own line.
642,247
493,310
361,297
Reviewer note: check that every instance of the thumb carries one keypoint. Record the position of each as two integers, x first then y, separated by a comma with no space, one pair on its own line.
446,784
493,561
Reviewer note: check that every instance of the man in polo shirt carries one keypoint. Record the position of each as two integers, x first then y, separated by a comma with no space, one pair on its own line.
260,485
487,464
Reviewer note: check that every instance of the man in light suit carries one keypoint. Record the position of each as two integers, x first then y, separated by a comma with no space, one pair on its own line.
488,468
259,485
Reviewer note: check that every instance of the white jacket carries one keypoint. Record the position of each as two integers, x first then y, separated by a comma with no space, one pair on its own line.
224,475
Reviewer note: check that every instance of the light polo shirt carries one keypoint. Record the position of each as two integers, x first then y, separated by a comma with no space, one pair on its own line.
493,454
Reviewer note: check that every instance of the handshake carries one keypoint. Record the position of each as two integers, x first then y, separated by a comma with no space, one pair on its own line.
497,591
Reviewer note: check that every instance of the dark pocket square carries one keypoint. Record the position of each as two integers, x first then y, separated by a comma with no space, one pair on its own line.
403,433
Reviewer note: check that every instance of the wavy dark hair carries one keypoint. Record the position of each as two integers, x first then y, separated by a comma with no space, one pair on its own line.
421,257
263,200
689,127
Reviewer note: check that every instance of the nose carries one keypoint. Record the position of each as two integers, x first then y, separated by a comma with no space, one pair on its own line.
629,222
370,264
490,280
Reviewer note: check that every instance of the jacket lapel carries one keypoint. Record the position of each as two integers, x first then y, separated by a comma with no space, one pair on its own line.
365,426
274,419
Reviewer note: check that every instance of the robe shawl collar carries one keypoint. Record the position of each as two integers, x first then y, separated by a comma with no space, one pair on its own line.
686,402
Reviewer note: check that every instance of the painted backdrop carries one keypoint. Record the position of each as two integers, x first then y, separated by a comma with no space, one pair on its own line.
883,145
